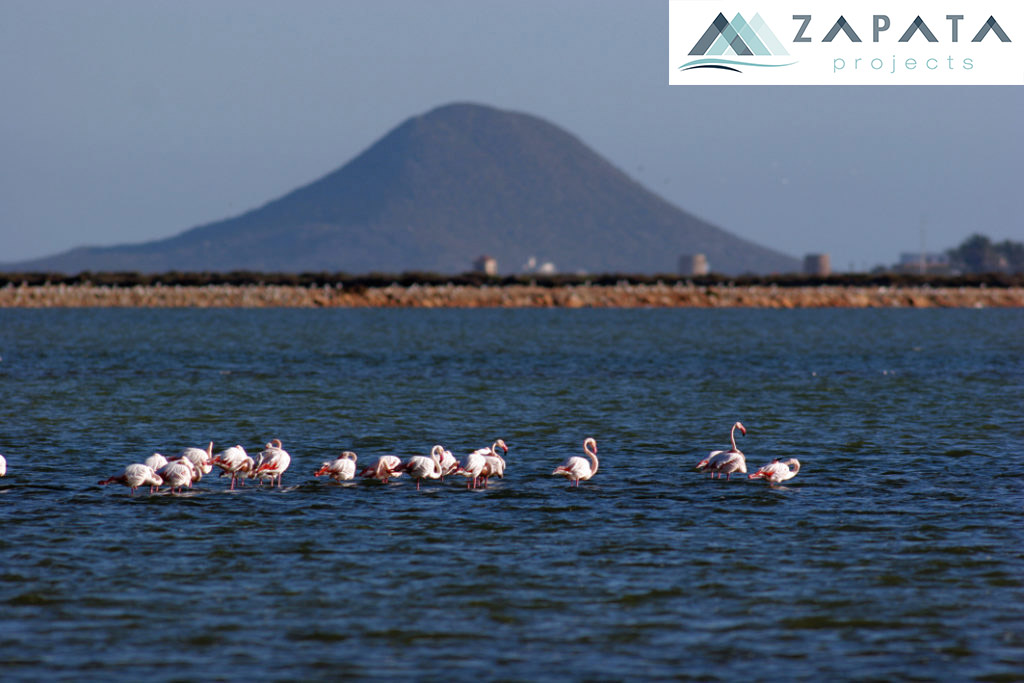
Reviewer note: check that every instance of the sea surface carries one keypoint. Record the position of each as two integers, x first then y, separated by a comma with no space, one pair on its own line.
897,553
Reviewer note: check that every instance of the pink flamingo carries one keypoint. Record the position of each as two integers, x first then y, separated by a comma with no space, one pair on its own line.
135,476
494,466
726,462
203,460
778,470
155,461
341,468
272,463
420,467
448,462
386,467
178,474
234,462
576,468
476,463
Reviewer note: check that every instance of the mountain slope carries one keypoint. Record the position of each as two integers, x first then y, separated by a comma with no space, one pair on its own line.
435,193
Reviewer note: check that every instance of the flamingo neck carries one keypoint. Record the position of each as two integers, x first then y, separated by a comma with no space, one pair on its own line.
592,455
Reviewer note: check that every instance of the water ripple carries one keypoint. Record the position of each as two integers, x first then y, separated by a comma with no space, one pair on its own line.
894,554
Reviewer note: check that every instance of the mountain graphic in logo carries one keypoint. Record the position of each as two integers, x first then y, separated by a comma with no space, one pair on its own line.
738,37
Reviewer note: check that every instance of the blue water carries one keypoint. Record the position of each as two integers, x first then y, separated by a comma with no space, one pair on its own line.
896,553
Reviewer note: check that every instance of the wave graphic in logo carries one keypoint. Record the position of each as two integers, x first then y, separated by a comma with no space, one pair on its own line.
737,37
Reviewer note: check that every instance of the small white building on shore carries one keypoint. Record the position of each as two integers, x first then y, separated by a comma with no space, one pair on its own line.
693,264
486,264
817,264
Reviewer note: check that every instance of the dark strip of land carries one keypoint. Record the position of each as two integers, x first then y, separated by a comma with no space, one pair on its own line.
477,279
479,291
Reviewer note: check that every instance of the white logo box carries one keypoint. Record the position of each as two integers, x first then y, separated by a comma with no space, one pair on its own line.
894,42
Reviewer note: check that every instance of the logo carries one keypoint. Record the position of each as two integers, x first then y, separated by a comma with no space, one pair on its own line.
737,37
846,42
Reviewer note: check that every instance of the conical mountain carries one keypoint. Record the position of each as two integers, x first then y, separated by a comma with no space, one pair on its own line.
436,193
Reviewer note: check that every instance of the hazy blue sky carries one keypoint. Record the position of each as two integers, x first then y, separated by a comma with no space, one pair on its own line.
125,121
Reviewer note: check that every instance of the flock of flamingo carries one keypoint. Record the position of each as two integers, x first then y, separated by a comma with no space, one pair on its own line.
181,471
733,460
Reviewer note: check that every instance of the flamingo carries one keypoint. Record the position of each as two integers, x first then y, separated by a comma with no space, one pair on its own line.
234,461
778,470
341,468
420,467
203,460
386,467
494,466
474,465
178,474
272,462
726,462
576,468
135,476
448,462
476,462
155,461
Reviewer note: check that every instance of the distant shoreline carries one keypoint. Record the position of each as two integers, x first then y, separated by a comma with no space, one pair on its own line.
622,295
